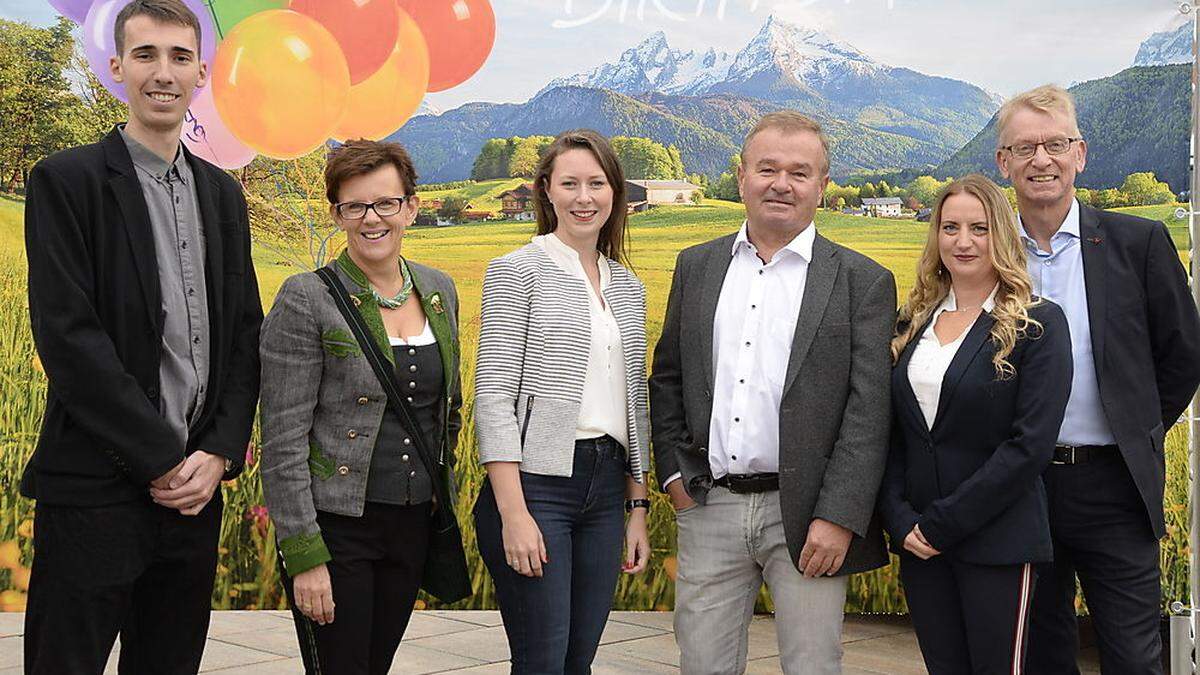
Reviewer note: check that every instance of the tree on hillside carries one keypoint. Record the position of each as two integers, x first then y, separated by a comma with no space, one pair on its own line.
866,191
925,189
452,208
726,186
37,106
492,160
1107,198
1143,188
526,154
647,159
883,189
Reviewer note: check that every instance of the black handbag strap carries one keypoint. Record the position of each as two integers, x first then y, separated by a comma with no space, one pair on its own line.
386,376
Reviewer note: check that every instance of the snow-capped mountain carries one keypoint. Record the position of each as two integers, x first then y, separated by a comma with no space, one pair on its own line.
1167,47
427,108
652,66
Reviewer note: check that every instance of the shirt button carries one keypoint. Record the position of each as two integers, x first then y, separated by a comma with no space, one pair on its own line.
408,441
404,458
343,470
742,381
1047,263
733,457
412,368
196,339
737,419
409,398
412,385
362,400
747,343
412,352
191,291
753,306
760,271
412,474
352,434
183,244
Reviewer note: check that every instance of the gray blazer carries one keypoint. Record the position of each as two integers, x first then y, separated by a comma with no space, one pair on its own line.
836,407
321,404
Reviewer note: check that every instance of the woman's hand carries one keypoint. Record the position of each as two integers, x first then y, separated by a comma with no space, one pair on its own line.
524,549
916,544
637,543
314,594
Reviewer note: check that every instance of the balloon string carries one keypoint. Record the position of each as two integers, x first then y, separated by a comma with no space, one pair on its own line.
216,20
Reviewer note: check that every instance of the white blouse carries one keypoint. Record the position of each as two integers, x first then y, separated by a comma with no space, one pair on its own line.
930,358
603,406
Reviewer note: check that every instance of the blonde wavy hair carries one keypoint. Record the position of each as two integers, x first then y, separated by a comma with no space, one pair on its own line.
1013,297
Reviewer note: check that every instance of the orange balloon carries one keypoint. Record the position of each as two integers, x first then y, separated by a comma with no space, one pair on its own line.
365,29
460,34
280,83
383,102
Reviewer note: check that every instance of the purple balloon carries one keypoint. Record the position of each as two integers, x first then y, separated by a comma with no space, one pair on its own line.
75,10
99,44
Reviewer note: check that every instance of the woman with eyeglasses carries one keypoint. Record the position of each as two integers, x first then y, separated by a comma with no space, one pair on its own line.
360,419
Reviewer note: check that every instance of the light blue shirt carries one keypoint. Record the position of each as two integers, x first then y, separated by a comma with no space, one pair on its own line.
1058,276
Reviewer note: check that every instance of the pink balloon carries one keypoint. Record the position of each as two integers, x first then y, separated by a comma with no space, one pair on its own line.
207,136
99,44
75,10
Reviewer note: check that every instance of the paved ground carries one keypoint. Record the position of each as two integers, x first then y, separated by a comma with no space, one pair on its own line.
262,643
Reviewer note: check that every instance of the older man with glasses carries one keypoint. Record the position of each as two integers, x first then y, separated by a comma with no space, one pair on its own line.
1135,339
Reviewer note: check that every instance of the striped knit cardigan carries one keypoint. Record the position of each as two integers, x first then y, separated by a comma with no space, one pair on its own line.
534,339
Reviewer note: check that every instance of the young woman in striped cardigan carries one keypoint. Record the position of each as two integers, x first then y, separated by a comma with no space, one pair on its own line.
561,413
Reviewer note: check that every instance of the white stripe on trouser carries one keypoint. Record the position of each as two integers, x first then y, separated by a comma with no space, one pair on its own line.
1018,667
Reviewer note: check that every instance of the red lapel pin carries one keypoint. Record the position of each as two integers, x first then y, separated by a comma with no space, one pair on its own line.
1094,240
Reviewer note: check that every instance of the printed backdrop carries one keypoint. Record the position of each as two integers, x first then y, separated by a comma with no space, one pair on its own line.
906,90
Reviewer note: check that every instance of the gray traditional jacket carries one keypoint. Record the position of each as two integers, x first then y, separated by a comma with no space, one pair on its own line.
322,404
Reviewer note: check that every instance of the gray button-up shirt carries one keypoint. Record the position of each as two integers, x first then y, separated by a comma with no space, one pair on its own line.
170,193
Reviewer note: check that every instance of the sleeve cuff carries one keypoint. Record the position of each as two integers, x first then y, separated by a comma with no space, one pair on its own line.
671,479
303,552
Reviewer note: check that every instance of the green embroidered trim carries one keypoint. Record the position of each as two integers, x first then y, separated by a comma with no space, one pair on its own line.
367,306
439,325
320,465
303,552
339,343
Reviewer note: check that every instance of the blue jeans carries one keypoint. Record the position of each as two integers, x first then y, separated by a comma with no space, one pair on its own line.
554,622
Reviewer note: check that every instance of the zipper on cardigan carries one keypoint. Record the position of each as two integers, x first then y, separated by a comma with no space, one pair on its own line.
525,423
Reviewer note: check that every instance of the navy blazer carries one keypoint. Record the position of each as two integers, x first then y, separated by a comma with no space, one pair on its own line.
973,482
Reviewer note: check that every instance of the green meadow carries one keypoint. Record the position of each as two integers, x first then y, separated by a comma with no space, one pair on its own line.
248,576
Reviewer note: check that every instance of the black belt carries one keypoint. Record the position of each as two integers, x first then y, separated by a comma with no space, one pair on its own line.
743,483
1080,454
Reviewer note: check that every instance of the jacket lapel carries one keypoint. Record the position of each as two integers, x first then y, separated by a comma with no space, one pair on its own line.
207,197
902,386
976,337
433,302
818,286
715,269
1095,266
136,218
360,293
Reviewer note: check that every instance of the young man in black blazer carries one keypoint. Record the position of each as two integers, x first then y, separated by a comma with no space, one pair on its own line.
145,314
1135,339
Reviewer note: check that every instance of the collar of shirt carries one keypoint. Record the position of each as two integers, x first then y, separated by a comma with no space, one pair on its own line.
1068,231
950,303
801,244
567,258
145,159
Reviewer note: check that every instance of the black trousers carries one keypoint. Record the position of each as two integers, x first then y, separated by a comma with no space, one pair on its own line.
135,569
375,572
969,619
1101,534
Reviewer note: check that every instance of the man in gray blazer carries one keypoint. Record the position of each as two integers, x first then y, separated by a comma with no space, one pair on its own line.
770,406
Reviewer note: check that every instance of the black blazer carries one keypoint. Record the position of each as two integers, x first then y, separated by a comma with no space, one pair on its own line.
1145,340
973,482
95,306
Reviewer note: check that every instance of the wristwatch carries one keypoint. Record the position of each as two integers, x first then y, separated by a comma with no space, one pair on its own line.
631,504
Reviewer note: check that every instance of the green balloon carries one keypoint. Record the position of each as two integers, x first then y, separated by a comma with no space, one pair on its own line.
227,13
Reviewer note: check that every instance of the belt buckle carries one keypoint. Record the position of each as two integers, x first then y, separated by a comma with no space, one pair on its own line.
735,483
1070,457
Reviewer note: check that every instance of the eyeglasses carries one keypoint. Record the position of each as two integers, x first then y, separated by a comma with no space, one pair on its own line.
1054,146
388,206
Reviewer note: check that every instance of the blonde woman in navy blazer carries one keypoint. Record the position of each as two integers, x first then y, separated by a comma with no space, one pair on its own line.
982,376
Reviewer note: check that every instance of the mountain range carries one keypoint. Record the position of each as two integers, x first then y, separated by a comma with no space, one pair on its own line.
878,116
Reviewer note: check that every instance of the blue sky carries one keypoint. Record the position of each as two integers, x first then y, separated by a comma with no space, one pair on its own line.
1003,46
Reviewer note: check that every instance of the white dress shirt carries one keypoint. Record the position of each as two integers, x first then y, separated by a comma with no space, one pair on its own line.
931,358
752,343
602,409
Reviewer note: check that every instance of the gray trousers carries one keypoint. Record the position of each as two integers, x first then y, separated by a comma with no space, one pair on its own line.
727,549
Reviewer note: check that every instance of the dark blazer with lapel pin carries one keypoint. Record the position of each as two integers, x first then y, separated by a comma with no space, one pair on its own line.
1145,339
973,482
95,309
833,418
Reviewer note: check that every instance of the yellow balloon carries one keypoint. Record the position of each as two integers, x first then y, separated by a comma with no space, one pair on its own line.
383,102
280,83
